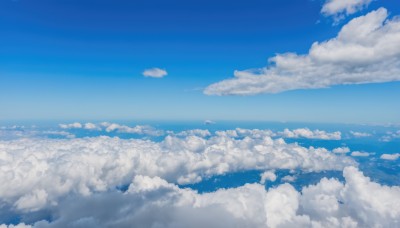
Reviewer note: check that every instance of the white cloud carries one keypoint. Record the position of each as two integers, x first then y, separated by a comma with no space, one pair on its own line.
21,225
194,132
341,150
359,134
390,136
75,125
340,8
390,156
366,50
155,73
209,122
359,154
91,126
288,178
153,202
309,134
286,133
111,127
267,176
40,171
138,129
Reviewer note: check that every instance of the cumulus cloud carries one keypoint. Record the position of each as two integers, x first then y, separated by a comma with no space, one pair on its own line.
91,126
138,129
341,150
359,154
341,8
267,176
75,125
366,50
154,202
309,134
40,171
155,73
390,156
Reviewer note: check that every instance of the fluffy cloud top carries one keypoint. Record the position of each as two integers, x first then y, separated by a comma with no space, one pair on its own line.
267,176
71,126
155,73
307,133
341,150
153,202
339,8
40,171
359,154
390,156
366,50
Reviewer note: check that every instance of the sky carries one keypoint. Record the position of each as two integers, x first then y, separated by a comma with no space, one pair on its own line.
158,60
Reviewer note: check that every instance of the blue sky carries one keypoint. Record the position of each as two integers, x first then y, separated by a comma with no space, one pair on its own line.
84,60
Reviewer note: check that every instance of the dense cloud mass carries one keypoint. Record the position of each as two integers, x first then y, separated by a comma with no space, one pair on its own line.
366,50
111,182
153,202
39,171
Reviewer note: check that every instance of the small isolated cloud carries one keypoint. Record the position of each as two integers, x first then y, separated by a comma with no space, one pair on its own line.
155,73
341,150
309,134
366,50
75,125
341,8
91,126
390,156
209,122
359,154
267,176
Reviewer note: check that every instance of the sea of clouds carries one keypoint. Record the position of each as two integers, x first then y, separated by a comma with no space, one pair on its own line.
105,181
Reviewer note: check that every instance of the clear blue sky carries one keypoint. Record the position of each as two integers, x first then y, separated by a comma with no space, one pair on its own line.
83,59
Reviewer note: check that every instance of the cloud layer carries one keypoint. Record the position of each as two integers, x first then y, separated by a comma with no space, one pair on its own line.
153,202
40,171
366,50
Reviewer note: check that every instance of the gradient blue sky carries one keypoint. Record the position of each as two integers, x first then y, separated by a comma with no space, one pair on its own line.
75,59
